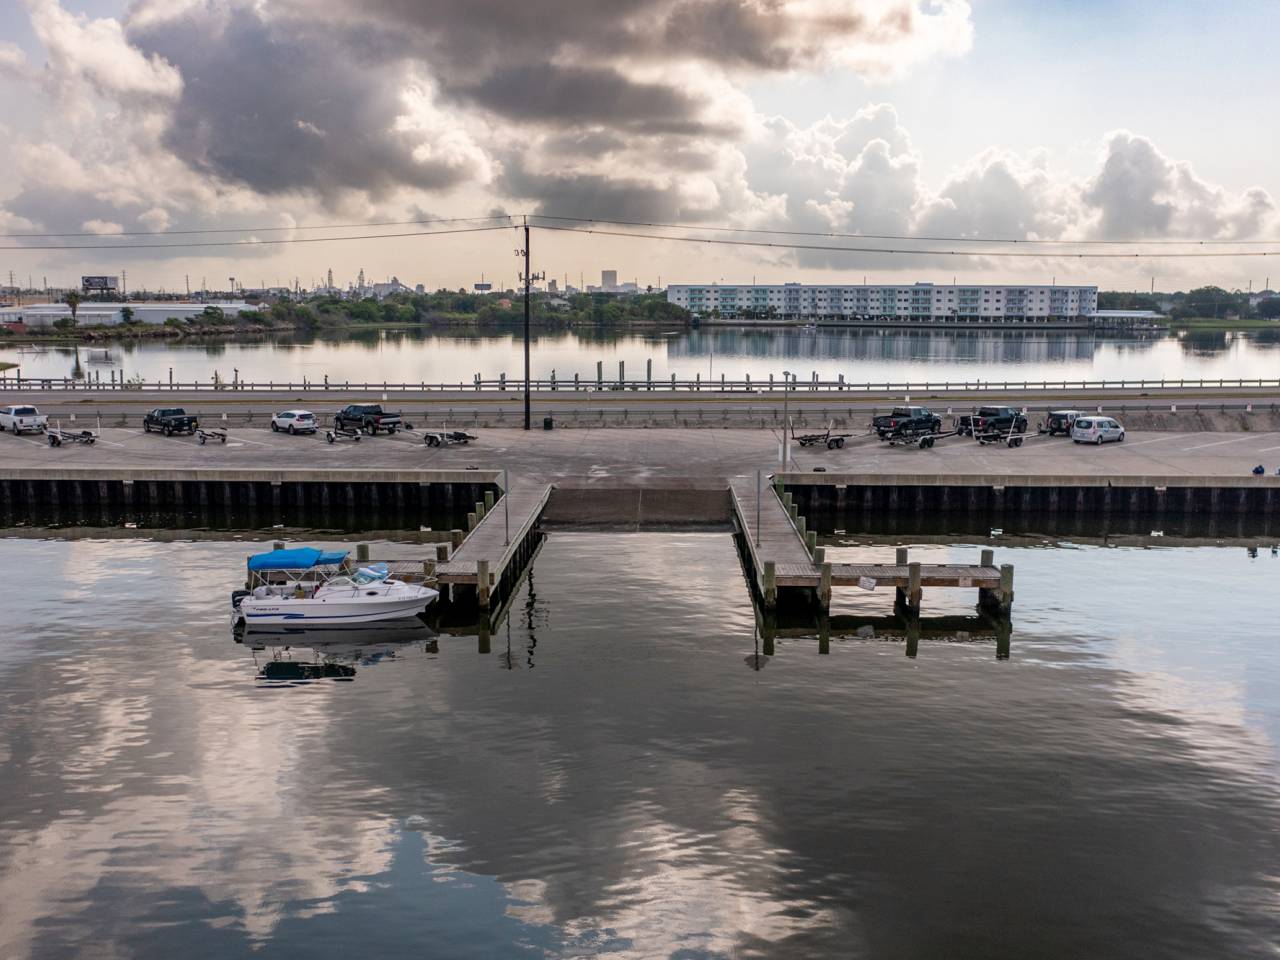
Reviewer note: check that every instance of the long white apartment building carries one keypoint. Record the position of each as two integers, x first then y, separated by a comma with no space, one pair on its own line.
964,304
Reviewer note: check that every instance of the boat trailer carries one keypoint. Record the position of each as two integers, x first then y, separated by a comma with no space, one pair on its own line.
334,434
57,436
447,438
832,441
217,433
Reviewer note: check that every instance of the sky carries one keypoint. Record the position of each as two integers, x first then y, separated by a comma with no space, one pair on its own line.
920,118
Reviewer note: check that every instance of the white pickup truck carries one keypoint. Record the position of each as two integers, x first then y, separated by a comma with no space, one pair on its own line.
23,419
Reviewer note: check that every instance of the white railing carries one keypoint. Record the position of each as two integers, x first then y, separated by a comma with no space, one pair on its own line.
13,382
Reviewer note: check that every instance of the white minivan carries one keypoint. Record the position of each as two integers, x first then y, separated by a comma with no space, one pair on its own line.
1094,429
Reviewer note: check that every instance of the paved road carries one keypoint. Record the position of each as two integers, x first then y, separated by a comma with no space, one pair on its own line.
658,408
654,457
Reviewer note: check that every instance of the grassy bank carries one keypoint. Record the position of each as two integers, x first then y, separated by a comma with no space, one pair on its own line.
1220,323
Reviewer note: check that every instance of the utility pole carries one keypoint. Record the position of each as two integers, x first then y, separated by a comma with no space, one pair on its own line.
526,323
124,283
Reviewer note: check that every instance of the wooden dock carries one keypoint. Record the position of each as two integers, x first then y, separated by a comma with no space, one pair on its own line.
784,554
499,536
777,547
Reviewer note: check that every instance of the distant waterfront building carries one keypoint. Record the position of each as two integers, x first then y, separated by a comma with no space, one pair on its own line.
608,280
381,290
919,302
109,314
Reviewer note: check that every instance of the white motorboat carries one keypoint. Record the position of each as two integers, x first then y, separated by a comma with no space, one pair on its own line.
306,586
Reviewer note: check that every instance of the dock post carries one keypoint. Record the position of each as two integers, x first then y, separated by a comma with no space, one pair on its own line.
786,501
428,569
482,583
362,553
819,555
913,587
801,528
1006,588
489,501
278,545
824,586
824,634
900,557
811,542
622,374
648,373
455,539
480,510
770,585
472,520
988,558
1004,636
442,553
913,637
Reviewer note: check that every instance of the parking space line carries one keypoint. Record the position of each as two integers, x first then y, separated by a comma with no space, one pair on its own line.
1219,443
1138,443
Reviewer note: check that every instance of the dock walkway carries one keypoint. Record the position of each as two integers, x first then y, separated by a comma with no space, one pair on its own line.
779,556
493,544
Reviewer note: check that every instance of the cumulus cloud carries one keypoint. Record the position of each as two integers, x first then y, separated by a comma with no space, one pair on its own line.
102,228
1139,192
95,52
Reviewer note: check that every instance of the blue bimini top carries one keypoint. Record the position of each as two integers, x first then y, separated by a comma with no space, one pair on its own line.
299,558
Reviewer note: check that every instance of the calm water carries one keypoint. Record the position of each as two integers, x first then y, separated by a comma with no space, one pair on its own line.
614,776
861,355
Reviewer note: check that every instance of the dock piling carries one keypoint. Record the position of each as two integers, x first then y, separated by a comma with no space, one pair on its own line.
362,553
482,583
769,576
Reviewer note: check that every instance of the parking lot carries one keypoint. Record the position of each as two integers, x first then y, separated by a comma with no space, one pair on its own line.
641,455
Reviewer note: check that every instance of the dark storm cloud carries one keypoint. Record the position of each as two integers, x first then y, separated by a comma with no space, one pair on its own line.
570,94
595,195
284,108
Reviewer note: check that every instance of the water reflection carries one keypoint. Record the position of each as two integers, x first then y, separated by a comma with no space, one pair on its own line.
292,656
861,355
640,794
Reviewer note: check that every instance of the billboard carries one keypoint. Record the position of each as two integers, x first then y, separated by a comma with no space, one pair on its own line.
483,287
98,283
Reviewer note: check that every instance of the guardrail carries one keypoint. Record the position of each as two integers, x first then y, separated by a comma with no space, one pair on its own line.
578,384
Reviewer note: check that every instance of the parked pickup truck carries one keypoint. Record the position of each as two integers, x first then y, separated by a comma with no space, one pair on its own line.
992,420
169,420
23,420
368,417
903,421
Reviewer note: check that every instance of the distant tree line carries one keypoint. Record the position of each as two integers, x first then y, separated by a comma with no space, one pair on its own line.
1202,302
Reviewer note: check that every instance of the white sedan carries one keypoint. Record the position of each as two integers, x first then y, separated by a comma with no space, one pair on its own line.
294,421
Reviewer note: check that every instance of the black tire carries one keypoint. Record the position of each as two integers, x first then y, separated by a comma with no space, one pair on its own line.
168,431
275,427
1121,440
223,438
831,444
839,443
337,423
370,429
329,436
53,441
1098,441
146,427
290,430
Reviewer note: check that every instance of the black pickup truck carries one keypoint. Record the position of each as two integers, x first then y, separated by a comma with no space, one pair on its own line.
169,420
368,417
992,420
904,421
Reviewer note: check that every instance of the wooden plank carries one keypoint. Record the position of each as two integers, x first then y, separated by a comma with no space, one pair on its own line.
488,540
931,575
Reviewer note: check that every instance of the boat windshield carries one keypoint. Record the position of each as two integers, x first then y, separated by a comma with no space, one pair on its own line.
371,574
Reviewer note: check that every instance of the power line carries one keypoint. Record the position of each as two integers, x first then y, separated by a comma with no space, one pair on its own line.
250,243
921,252
331,226
890,236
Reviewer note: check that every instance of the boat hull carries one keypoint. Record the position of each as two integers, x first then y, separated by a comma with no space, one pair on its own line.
332,612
